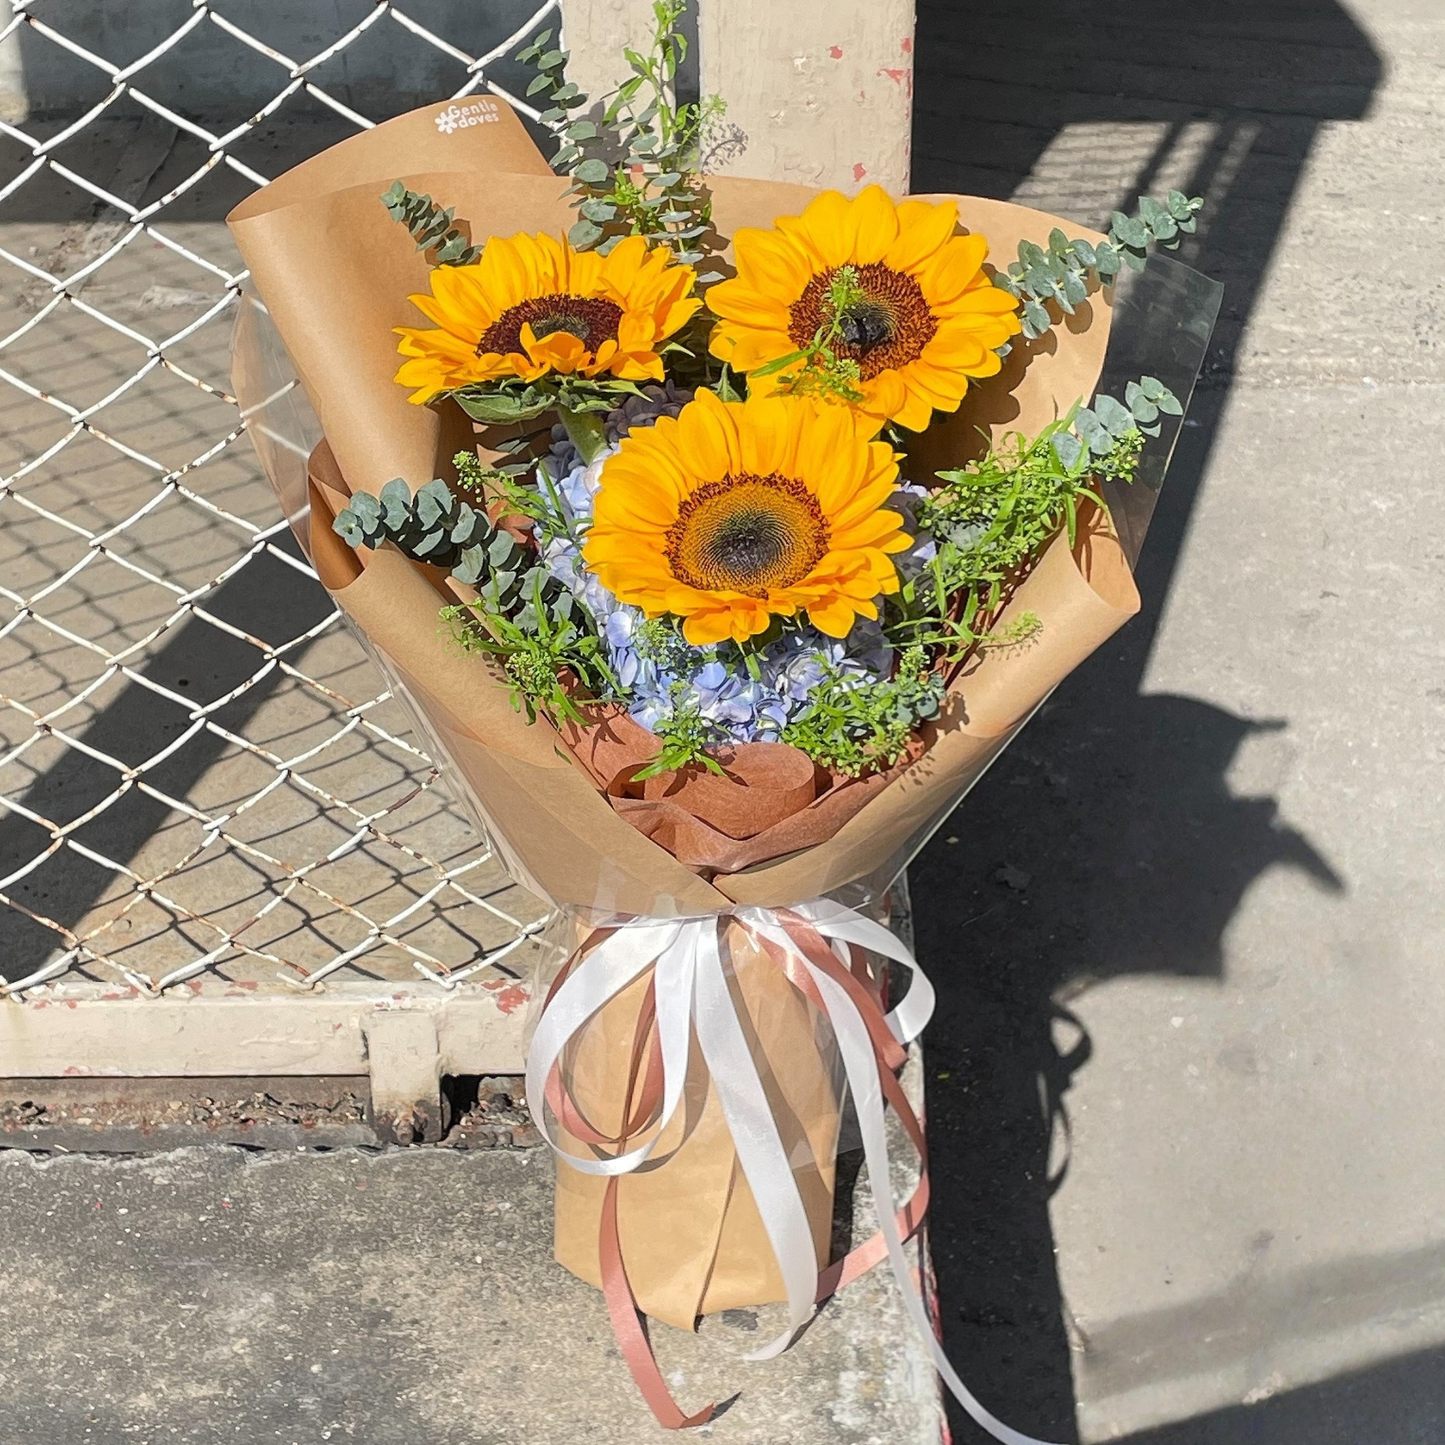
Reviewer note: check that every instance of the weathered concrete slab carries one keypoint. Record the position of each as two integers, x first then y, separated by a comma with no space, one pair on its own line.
214,1295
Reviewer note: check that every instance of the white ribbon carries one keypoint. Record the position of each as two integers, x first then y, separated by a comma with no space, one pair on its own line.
692,994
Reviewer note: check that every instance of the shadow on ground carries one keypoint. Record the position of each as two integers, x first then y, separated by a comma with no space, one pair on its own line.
1115,803
1401,1402
269,600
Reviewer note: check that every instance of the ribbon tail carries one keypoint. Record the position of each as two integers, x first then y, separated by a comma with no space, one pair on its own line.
765,1163
628,1327
860,1064
834,921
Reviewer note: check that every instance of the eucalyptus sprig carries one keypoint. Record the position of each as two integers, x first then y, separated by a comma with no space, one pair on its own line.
635,168
1061,272
438,527
430,226
1108,437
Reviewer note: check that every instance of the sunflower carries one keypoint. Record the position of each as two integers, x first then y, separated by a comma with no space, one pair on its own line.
896,292
533,305
735,511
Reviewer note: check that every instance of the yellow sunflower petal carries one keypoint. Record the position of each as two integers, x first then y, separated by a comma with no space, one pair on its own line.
708,436
875,221
734,301
954,268
835,618
916,411
922,229
828,228
769,262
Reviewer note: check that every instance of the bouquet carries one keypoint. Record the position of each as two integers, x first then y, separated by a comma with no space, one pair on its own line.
719,534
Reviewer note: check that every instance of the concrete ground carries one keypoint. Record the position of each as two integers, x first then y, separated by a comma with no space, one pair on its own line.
391,1298
1184,1085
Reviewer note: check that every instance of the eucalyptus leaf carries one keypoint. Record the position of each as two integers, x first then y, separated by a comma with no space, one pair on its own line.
584,233
1069,448
366,508
1165,229
1128,229
432,502
472,566
1113,414
1151,212
395,499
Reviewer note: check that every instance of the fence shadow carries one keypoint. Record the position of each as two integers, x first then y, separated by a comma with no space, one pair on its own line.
1108,840
266,598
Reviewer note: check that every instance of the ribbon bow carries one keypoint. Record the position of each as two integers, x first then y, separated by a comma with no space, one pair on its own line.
688,994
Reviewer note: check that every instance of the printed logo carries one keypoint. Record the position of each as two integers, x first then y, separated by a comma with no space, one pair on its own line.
458,117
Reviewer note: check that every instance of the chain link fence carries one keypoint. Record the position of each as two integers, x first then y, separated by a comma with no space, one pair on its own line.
201,777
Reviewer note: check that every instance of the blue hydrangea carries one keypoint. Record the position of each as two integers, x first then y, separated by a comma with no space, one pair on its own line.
905,502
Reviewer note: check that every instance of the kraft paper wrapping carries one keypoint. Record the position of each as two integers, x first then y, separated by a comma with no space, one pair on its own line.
691,1234
335,271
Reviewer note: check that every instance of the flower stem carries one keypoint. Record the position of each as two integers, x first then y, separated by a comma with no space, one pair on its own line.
585,431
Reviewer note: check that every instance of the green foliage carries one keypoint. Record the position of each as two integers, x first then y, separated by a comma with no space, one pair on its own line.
658,641
854,727
438,527
430,226
541,504
635,169
513,400
990,521
1061,272
1109,432
547,650
993,517
685,736
1161,223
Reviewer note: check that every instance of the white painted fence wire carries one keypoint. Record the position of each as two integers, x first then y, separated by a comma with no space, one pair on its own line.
201,777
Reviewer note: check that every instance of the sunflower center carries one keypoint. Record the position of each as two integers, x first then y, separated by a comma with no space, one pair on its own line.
747,534
591,319
881,317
